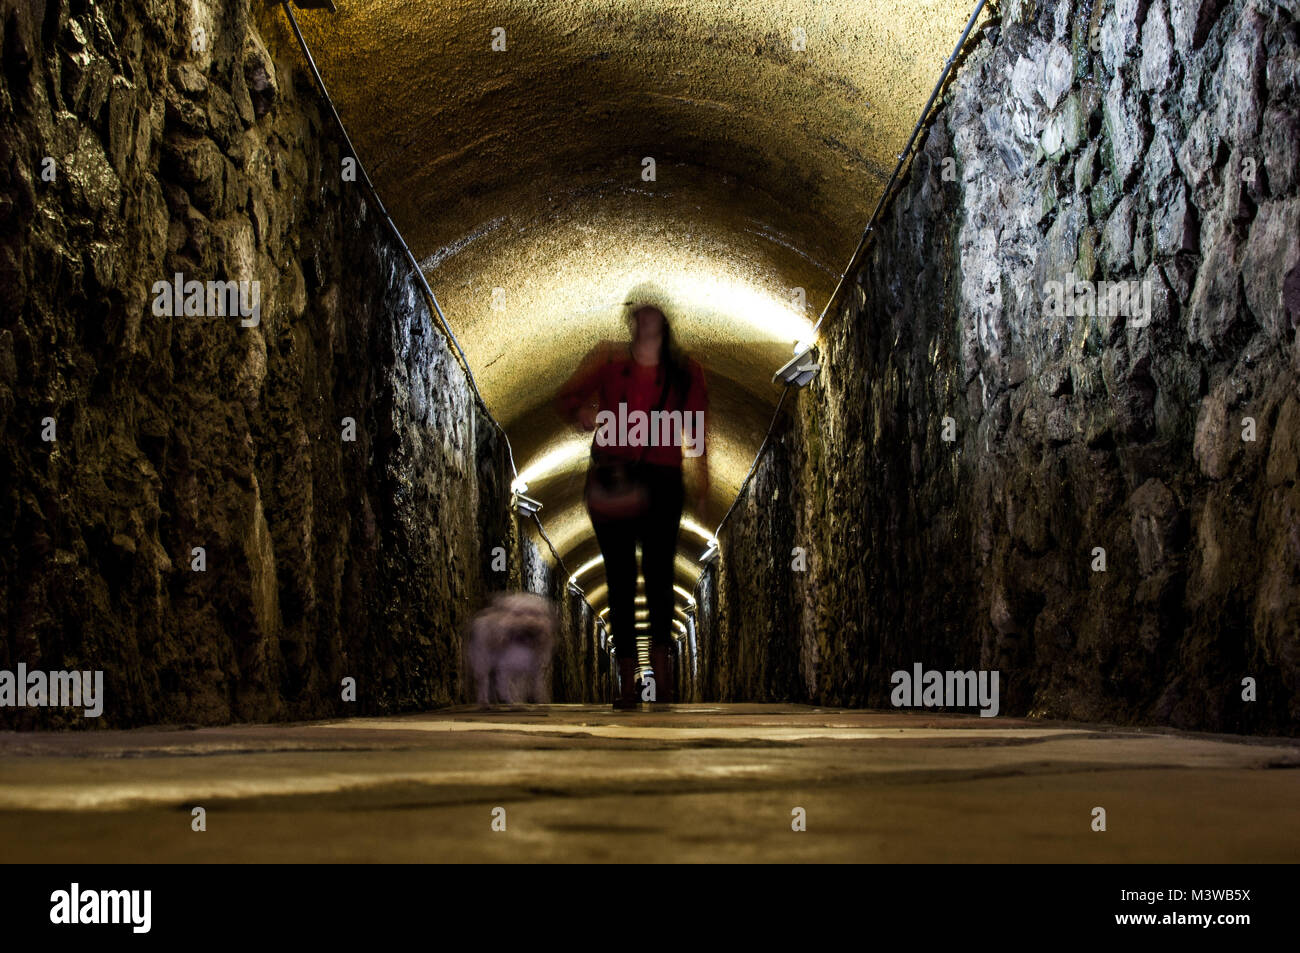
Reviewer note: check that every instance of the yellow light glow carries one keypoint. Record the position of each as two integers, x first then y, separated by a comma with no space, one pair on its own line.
695,528
745,305
569,453
586,567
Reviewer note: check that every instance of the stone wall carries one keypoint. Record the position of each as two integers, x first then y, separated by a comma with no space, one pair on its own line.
576,673
1109,141
146,138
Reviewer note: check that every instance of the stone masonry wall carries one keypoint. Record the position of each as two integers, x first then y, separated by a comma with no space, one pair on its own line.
146,138
1138,141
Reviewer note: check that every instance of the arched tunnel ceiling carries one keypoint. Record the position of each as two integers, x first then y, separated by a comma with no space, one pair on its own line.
516,177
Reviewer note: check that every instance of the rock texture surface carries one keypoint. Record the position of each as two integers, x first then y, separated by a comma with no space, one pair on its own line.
1089,142
147,138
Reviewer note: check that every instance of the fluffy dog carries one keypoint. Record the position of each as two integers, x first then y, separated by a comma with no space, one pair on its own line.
509,649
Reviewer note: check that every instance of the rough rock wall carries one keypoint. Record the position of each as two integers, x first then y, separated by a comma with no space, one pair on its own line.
1096,142
146,138
575,672
759,654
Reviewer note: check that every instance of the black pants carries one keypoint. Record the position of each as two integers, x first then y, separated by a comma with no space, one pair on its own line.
656,531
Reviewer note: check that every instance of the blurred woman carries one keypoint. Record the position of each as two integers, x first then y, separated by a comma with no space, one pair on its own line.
647,402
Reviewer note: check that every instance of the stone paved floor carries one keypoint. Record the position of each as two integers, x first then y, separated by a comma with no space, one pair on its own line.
698,783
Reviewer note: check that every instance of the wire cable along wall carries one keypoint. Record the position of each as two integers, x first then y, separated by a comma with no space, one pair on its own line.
922,121
420,279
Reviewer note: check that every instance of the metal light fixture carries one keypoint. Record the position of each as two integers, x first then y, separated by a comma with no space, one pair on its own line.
526,505
523,505
801,368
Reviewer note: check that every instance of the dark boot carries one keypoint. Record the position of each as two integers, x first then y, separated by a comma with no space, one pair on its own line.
628,696
661,660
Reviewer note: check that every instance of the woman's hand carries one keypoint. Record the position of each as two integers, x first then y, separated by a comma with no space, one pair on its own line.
587,417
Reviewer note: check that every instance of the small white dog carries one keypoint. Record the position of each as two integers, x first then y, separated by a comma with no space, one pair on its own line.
509,649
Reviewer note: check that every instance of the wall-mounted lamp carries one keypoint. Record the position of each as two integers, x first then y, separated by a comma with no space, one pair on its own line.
524,505
801,368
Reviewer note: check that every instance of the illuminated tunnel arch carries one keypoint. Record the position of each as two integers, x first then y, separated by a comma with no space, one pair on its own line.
517,176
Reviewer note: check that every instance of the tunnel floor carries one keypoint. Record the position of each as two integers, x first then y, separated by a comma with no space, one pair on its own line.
702,782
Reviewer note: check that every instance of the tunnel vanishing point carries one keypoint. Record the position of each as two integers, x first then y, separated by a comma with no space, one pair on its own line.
1053,430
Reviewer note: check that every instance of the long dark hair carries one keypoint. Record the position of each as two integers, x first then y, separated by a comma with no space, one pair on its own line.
673,361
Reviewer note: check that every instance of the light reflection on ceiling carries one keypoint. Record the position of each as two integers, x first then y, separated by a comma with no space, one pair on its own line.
516,176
